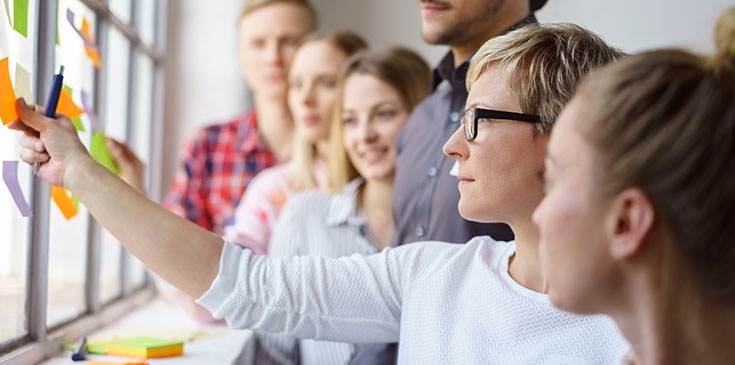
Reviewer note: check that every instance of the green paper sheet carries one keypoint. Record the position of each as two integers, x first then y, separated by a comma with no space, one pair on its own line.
20,16
98,150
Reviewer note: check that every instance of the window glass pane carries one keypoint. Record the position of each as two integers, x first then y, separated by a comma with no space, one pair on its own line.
115,119
141,136
14,228
13,248
145,14
68,239
121,9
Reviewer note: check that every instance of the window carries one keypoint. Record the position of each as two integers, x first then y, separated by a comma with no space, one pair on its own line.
56,271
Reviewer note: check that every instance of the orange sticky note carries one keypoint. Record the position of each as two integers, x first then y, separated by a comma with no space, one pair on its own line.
64,202
92,53
67,107
7,94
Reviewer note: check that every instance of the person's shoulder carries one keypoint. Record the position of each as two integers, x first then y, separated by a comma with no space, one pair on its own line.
241,125
314,199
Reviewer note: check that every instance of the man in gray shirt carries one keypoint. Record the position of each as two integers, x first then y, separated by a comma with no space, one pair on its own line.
426,195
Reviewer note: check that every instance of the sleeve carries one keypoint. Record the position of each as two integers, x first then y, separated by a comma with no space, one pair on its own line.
256,213
187,195
348,299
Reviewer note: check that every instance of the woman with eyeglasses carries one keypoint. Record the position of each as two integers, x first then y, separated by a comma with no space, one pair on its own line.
481,302
639,217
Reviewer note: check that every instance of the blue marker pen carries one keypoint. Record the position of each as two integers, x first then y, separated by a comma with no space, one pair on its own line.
81,350
53,101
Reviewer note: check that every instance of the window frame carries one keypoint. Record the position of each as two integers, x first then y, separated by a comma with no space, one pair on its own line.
41,342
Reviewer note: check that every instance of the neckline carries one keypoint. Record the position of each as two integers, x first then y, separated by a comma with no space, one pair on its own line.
518,288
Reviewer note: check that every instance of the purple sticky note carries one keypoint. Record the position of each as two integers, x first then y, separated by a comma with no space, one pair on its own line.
87,106
70,17
10,176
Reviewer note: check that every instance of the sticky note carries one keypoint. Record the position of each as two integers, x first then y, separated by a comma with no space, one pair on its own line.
92,51
67,107
98,150
20,16
63,201
10,177
22,82
87,106
90,48
7,11
145,347
7,94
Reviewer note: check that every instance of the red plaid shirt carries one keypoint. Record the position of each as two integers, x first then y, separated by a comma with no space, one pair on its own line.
216,166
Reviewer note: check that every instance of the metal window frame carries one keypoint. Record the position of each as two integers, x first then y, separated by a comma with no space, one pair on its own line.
40,341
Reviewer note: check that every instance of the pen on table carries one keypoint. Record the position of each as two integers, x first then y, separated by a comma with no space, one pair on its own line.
80,352
52,102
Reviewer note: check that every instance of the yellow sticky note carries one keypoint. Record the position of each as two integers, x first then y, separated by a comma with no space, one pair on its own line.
7,94
64,202
22,82
67,107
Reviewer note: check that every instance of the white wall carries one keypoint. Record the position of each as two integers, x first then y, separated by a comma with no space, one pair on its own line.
204,85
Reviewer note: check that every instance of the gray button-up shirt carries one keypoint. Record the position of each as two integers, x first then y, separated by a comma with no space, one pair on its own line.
426,196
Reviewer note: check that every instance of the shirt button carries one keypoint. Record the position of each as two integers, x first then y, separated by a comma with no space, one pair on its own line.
454,117
420,231
432,171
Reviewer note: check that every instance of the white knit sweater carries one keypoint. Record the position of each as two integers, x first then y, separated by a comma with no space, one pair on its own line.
444,303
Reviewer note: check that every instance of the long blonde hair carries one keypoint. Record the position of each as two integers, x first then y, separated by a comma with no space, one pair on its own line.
301,166
664,121
404,70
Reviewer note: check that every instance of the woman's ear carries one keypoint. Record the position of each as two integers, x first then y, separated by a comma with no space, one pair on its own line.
629,222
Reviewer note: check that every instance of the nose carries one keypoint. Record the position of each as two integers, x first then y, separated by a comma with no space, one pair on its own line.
308,94
456,146
367,131
273,52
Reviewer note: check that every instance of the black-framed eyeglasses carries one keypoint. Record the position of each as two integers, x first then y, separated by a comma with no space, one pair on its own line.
472,115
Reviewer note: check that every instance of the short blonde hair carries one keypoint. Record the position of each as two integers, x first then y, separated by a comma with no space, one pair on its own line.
253,5
664,121
403,70
541,64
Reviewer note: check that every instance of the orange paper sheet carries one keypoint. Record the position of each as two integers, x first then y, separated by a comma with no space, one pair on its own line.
7,94
67,107
92,53
64,202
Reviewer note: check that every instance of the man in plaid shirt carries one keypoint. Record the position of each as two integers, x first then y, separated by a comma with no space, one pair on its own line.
221,159
218,163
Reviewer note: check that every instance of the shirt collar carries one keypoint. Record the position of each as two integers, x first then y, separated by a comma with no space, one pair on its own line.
343,206
248,137
456,76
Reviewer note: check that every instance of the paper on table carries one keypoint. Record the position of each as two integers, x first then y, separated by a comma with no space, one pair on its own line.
22,82
98,150
10,177
87,106
63,201
20,16
7,94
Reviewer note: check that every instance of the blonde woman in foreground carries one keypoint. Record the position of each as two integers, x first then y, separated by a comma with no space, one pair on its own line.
481,302
639,217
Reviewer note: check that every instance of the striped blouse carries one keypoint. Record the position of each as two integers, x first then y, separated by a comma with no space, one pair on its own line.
321,223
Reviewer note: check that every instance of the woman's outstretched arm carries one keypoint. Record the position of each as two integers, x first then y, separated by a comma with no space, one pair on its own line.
179,251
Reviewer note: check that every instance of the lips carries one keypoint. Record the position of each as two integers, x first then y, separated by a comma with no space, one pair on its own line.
432,7
310,119
374,155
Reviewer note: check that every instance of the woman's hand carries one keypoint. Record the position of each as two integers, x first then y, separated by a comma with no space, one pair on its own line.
53,143
131,168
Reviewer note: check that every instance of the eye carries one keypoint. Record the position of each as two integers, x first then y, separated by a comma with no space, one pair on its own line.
328,82
348,119
295,84
257,43
386,113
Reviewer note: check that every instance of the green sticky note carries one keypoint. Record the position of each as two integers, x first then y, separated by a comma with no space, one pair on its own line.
98,150
77,122
20,16
75,201
94,347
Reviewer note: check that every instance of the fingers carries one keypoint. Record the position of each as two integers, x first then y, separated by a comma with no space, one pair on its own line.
122,153
31,156
29,116
19,126
32,143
